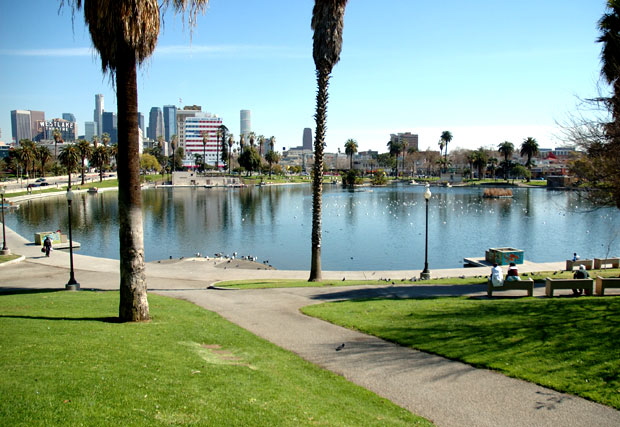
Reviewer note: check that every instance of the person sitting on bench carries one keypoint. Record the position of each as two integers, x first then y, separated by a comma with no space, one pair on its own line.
497,276
513,273
582,273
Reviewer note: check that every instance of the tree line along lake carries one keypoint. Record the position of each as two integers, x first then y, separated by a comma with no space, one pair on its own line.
374,228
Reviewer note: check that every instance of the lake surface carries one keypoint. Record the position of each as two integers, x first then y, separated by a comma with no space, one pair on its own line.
370,229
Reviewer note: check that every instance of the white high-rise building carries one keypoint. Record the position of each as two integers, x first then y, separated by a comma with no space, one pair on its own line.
192,126
98,113
245,126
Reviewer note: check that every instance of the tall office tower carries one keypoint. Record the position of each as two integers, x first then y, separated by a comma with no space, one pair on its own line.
245,126
90,130
307,139
37,120
170,121
98,115
109,123
70,117
141,123
156,124
20,125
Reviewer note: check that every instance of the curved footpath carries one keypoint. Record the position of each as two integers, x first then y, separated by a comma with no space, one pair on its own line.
446,392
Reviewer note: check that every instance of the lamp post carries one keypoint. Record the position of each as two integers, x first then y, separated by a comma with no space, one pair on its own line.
5,250
72,284
425,274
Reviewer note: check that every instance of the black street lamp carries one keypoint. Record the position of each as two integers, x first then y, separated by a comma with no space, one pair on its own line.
72,284
425,274
5,250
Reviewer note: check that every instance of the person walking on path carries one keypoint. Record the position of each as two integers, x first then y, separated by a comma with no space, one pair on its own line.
47,245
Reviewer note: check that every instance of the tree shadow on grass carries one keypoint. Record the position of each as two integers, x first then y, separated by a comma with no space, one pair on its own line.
399,292
82,319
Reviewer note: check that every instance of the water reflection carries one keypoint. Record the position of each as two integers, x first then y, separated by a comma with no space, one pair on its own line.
372,229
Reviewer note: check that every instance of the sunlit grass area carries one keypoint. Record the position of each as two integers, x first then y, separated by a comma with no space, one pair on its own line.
65,361
568,344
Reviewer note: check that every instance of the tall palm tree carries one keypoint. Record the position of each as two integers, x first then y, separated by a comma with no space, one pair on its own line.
95,141
529,148
105,139
205,137
350,148
28,156
261,144
125,33
609,26
480,160
223,131
69,157
231,141
506,149
327,24
395,148
57,139
100,158
43,156
218,135
272,157
446,137
85,150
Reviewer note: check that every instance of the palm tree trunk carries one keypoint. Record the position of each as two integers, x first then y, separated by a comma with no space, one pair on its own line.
133,304
317,179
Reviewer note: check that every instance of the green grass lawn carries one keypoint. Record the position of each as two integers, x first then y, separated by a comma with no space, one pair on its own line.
568,344
65,361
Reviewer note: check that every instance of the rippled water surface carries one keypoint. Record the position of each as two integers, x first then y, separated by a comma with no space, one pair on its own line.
373,229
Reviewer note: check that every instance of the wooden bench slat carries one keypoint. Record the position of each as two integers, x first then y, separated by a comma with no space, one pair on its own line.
511,285
603,283
552,284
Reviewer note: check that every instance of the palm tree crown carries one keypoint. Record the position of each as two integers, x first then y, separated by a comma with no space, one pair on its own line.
350,148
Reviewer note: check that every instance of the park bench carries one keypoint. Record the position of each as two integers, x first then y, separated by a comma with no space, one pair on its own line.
603,283
570,264
553,284
509,285
600,262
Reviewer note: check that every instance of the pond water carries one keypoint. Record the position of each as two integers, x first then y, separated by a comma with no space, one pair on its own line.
370,229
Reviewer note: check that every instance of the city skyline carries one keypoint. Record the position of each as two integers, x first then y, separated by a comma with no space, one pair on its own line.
487,72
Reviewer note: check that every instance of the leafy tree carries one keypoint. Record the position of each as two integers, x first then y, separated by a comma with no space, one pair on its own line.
100,159
125,33
148,162
250,160
379,178
385,160
350,148
520,171
85,150
529,148
506,149
69,158
351,178
272,157
327,25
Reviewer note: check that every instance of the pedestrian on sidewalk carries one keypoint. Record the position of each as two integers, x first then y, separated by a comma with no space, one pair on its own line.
47,245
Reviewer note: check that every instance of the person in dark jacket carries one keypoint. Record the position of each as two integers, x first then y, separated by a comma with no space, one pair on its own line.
47,245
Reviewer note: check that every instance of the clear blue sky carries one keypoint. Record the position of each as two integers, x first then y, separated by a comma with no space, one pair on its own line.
488,70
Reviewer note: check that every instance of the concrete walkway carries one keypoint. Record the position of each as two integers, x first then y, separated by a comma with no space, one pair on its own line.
446,392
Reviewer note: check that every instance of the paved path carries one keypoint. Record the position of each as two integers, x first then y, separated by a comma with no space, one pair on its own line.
446,392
